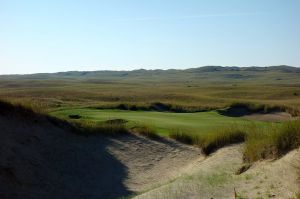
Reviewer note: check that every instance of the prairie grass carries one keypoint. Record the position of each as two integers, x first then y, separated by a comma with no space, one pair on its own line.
272,142
227,136
190,92
102,128
184,137
145,131
210,142
24,111
261,142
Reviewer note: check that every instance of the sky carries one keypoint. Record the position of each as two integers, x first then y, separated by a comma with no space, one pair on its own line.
66,35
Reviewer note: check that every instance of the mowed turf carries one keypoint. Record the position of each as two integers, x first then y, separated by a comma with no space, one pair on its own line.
163,122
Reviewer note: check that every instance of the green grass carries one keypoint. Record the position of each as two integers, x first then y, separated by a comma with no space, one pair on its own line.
163,122
208,130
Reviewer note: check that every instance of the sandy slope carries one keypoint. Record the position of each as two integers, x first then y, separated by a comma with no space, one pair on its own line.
215,178
41,160
151,163
271,117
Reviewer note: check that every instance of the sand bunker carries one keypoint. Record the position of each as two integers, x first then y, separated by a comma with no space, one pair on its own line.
40,160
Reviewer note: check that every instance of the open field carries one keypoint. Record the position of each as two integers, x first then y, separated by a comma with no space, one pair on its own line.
202,88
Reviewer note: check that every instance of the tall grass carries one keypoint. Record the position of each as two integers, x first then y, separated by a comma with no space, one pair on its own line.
261,142
230,135
145,131
272,142
184,137
210,142
103,128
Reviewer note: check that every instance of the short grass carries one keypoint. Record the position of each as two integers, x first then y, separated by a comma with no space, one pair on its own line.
164,123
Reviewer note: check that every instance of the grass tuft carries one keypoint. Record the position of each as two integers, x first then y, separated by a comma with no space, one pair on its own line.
103,128
223,138
145,131
272,142
213,141
183,137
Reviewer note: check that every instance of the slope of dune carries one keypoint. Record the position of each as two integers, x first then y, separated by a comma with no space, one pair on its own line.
43,158
215,177
39,159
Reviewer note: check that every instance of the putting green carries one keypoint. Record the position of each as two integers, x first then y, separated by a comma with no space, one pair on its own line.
163,122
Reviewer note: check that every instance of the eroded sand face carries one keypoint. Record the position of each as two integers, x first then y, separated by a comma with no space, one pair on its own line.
215,178
41,160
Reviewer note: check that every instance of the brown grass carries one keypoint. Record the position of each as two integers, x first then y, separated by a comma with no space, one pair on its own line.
212,141
145,131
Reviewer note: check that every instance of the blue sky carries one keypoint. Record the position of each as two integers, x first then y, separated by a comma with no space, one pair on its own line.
62,35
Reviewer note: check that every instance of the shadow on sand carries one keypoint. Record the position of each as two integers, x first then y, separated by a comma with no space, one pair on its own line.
39,160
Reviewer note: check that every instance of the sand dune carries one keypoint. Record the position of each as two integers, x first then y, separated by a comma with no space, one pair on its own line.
40,160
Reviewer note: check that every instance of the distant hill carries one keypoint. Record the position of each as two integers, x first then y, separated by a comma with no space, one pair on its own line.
269,74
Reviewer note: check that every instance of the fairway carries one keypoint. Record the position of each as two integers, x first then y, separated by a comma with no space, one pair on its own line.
162,122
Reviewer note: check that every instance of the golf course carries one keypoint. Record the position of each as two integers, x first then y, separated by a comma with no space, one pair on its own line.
162,122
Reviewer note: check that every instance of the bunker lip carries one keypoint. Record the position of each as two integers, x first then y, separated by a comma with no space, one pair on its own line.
273,115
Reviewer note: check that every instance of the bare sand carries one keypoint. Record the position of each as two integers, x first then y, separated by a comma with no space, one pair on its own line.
38,159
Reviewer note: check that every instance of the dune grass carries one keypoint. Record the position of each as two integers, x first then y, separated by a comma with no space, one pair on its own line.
261,142
272,142
212,141
102,128
145,131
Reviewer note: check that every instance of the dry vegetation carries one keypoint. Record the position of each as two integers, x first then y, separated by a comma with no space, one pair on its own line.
260,142
174,90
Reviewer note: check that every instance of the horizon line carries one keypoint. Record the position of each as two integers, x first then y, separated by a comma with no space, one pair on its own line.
180,69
